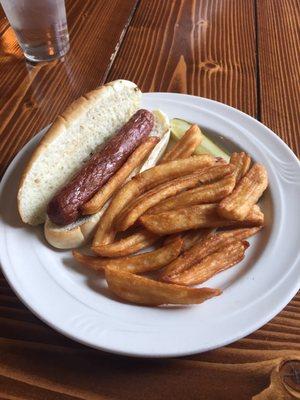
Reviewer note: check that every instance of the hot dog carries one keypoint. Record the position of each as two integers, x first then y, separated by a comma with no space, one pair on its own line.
64,208
98,135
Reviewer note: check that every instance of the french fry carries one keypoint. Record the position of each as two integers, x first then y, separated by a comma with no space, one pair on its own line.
190,238
195,217
248,191
212,264
139,206
215,172
116,181
206,175
238,233
209,193
140,184
241,162
171,238
208,244
137,264
185,146
220,161
149,199
139,290
129,245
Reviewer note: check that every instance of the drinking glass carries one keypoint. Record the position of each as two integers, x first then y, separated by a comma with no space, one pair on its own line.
40,26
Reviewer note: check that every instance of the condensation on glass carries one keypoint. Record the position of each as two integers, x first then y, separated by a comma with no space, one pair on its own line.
40,26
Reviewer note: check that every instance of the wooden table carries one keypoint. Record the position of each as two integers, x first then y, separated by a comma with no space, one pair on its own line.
243,53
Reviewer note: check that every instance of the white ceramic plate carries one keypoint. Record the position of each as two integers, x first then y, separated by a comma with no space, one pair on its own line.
76,302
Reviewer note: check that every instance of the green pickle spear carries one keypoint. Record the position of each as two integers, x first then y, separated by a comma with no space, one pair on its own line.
179,127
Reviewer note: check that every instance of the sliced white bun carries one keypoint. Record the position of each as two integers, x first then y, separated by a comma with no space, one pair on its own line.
161,129
79,233
73,235
69,142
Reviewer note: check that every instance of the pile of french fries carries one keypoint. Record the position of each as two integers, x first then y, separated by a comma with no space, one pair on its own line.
197,210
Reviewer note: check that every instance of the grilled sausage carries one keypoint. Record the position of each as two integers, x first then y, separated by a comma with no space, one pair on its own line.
64,208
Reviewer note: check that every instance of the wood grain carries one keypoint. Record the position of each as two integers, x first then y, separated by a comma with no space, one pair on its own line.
279,68
59,371
3,24
205,48
32,95
243,53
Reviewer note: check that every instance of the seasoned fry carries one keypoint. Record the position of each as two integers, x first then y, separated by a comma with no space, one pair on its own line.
170,238
185,146
248,191
136,264
212,264
215,172
116,181
220,161
209,193
195,217
189,238
241,162
140,184
140,290
138,207
207,245
239,233
124,247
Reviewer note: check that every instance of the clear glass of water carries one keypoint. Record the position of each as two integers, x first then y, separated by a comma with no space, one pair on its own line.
40,26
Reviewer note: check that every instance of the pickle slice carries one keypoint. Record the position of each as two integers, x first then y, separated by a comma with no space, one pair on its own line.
180,126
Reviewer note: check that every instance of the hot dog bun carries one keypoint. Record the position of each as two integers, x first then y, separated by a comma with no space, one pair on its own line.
74,135
73,235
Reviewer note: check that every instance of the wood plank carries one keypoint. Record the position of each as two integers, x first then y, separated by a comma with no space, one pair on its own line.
205,48
31,96
3,25
87,375
279,68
